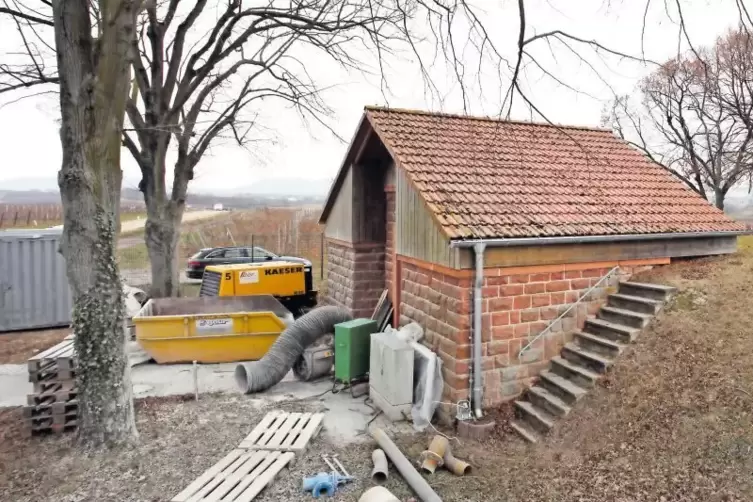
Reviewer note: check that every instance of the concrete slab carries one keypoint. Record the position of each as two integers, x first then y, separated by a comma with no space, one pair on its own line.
346,419
172,379
14,384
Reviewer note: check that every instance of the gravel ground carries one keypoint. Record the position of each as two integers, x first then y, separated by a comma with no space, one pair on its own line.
672,421
17,347
179,440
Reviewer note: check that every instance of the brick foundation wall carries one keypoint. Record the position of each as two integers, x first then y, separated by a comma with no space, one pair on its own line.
355,276
517,308
440,303
518,304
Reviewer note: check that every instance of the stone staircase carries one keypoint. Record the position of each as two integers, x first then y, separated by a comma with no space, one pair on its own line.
584,360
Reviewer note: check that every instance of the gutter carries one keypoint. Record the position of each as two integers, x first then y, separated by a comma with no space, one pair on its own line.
585,239
478,382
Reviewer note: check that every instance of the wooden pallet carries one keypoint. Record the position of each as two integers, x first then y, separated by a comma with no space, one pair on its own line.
53,428
239,477
54,386
45,410
60,396
64,421
282,431
61,356
52,375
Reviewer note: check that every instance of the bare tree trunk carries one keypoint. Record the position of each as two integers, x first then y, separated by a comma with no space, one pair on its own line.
94,79
162,232
719,196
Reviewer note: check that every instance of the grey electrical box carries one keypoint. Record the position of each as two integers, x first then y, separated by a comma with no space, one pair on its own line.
391,375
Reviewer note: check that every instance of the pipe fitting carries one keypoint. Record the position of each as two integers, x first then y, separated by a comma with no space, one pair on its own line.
455,465
381,471
440,454
434,456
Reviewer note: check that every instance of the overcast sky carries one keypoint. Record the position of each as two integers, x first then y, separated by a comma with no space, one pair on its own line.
29,142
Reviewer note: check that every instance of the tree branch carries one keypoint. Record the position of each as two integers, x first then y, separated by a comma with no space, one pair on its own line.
27,17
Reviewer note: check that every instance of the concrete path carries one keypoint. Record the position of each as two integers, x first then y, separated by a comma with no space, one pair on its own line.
345,421
14,384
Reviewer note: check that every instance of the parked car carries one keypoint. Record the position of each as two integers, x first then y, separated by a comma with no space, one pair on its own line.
230,255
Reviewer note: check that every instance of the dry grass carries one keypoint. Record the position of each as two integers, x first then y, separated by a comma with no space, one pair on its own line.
672,421
17,347
177,442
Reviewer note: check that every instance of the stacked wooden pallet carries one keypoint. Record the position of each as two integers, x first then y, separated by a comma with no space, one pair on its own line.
53,406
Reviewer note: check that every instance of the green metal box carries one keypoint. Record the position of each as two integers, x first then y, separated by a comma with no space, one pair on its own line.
352,346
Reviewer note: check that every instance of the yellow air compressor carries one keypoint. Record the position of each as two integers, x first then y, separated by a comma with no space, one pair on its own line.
289,282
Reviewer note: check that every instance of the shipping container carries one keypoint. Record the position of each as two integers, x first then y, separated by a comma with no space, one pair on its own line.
34,292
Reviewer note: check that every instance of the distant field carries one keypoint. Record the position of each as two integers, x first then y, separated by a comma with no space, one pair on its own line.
49,215
292,231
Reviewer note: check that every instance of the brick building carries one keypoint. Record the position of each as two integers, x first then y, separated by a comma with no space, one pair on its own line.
521,219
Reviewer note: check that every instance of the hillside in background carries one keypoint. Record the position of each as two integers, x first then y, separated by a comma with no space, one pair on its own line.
740,207
268,192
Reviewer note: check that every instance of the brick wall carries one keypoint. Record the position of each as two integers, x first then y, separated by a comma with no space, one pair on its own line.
440,303
355,276
517,305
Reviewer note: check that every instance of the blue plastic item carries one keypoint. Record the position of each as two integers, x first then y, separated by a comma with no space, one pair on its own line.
324,484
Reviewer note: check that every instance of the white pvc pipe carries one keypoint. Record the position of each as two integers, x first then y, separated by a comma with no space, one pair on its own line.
381,470
378,494
404,466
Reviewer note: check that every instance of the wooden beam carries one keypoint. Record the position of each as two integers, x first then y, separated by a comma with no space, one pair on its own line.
600,252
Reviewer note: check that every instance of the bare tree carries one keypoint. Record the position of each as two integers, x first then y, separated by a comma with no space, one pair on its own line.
92,74
195,89
694,116
201,70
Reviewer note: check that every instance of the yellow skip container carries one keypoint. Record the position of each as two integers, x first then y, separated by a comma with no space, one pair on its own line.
210,329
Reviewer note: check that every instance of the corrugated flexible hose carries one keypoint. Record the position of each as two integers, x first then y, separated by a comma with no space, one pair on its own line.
258,376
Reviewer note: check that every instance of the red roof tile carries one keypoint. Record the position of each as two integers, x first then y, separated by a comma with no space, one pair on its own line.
485,178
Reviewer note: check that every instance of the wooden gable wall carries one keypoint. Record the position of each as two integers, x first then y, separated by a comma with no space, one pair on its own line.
417,234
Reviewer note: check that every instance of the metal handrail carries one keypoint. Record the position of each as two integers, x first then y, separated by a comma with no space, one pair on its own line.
564,314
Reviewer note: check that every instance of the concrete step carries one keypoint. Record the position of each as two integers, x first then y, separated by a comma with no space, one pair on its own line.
525,431
611,330
538,419
624,317
547,401
560,386
634,303
644,290
599,344
591,360
576,373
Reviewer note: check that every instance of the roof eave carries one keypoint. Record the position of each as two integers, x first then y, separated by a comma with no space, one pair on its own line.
361,135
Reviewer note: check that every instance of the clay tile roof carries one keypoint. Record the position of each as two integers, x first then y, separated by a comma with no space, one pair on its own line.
486,178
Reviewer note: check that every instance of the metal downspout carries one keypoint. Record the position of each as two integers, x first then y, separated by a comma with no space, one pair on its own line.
478,383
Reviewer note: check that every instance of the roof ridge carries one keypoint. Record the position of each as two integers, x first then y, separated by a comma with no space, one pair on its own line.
410,111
